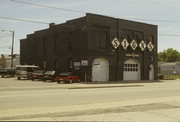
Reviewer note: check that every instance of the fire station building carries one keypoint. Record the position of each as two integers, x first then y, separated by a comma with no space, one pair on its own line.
96,47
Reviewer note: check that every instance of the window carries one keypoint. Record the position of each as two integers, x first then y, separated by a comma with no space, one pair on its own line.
151,38
100,36
130,67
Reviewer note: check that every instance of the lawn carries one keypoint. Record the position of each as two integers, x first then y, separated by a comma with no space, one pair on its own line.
169,77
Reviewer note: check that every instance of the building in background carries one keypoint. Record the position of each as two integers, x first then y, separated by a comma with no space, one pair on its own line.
170,68
96,47
2,62
5,60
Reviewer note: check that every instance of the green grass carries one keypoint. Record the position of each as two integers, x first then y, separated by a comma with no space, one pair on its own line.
169,77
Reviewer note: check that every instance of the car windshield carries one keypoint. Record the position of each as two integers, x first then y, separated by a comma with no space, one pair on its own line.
49,72
64,74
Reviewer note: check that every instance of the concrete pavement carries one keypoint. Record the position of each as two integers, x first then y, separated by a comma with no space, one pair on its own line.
11,84
79,102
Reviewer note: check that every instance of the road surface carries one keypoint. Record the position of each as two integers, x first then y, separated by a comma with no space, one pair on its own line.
72,104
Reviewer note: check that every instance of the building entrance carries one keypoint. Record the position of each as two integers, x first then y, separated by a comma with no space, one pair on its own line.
131,70
100,70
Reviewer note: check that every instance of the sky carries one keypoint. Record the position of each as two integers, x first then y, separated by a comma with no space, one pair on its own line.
146,11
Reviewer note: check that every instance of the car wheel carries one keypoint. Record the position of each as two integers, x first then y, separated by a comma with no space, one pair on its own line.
19,78
44,80
32,79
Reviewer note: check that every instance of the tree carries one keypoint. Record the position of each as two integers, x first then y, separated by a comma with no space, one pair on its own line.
169,55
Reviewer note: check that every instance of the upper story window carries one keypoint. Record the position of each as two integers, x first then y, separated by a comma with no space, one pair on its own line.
100,36
151,38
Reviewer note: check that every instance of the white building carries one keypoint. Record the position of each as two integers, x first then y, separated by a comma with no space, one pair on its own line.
172,68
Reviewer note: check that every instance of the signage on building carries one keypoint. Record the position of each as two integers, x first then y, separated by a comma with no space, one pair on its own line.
115,43
133,44
96,63
150,46
132,55
125,43
142,45
77,65
84,62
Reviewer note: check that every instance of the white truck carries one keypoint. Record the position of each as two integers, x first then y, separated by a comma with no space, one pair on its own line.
25,71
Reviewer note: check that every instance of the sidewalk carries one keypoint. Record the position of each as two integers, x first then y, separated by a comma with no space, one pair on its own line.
14,84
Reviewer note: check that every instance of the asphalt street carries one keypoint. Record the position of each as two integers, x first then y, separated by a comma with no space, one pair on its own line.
79,103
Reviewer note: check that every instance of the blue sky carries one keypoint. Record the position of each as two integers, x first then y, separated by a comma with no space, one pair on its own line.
126,9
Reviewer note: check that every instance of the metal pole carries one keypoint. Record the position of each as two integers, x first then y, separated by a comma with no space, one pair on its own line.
12,49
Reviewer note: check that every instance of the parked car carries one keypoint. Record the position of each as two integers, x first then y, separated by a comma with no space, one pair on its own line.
67,77
25,71
37,74
49,75
7,72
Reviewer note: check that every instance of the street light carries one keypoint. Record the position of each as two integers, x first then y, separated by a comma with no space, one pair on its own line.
12,47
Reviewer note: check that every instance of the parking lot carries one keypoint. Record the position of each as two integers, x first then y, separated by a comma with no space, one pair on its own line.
24,84
13,83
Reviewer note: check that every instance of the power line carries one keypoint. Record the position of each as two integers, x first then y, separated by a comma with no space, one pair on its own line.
153,20
77,11
168,35
32,21
52,7
16,19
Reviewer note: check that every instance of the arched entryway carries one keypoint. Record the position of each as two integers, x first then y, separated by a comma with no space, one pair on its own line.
100,70
151,72
131,70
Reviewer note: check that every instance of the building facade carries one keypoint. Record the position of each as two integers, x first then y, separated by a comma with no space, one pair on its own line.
6,60
96,47
170,68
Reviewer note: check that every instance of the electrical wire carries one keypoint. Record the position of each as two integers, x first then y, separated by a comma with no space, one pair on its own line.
168,35
72,26
153,20
77,11
52,7
32,21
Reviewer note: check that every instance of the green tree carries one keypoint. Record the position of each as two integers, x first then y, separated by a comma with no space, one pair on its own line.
169,55
162,56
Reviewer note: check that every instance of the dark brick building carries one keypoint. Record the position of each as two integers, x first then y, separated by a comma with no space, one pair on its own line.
95,47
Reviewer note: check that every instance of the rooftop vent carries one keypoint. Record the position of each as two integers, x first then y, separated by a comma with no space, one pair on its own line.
51,25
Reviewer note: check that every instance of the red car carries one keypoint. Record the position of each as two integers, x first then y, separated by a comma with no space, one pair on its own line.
67,77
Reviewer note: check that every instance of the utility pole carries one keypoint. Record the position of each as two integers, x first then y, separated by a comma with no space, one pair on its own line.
12,48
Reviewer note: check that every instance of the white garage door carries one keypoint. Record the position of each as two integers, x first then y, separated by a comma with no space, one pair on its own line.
100,70
151,72
131,70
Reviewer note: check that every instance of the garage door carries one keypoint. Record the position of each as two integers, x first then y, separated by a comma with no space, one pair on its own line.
131,70
100,70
